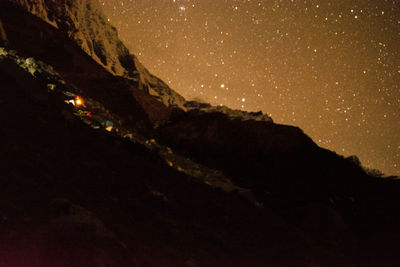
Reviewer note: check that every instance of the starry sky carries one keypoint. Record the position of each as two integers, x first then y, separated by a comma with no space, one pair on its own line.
329,67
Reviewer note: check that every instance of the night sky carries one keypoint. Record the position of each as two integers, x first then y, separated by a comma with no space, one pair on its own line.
329,67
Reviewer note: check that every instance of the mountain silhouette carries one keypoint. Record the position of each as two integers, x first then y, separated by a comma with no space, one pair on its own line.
104,165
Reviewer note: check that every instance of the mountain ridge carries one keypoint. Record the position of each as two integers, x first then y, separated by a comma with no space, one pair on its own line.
84,22
78,19
169,184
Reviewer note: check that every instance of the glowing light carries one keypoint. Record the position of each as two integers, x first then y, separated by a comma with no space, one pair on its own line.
78,101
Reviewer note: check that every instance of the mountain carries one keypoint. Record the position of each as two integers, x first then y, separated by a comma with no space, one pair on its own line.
84,23
104,164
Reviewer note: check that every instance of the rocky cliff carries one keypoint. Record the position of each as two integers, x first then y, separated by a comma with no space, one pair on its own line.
84,22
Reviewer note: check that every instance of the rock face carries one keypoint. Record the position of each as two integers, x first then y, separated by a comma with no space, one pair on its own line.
232,114
84,22
126,97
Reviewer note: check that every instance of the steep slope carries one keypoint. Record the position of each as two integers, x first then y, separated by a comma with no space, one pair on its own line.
35,38
84,22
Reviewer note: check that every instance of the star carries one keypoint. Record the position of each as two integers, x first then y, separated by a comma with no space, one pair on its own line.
303,62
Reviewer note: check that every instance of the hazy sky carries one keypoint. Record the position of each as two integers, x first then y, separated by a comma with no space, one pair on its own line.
329,67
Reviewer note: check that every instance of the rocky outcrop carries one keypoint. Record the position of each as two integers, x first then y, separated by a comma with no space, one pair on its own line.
231,113
84,22
125,97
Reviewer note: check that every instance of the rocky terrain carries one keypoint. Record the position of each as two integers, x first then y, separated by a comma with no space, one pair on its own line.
83,22
104,164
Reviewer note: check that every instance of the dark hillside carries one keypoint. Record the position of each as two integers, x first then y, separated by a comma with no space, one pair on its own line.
72,195
171,183
314,188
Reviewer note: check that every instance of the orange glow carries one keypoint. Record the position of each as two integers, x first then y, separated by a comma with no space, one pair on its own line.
78,101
